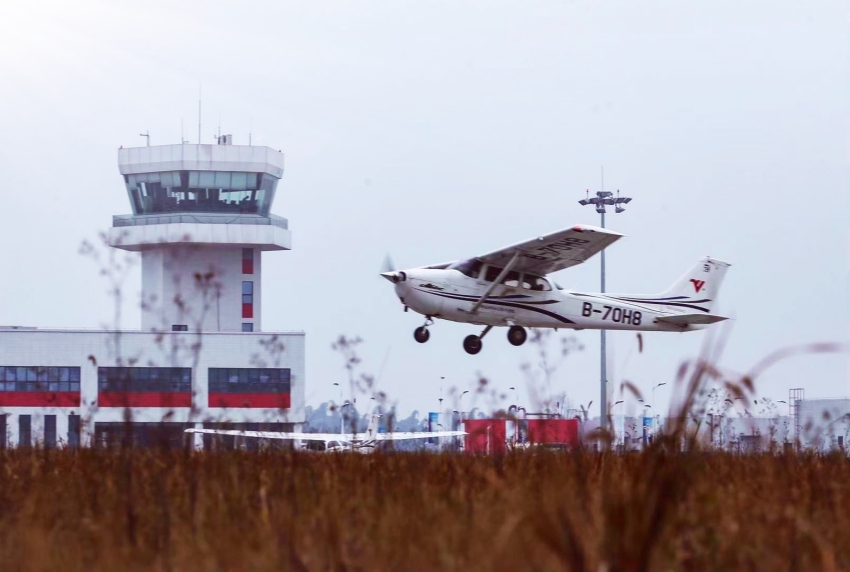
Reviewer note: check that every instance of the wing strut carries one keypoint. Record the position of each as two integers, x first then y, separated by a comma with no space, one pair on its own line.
511,263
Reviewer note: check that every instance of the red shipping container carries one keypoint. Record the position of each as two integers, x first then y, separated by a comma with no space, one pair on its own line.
485,436
553,431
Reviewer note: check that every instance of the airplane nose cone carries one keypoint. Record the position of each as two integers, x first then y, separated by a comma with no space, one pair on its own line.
394,277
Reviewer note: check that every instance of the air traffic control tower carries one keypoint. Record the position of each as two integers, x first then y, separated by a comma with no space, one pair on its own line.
201,221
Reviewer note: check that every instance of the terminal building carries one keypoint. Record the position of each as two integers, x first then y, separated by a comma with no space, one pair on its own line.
201,221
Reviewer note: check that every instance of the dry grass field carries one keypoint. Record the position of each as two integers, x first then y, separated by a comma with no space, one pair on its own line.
114,509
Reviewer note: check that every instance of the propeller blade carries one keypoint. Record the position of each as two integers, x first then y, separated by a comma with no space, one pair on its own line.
388,265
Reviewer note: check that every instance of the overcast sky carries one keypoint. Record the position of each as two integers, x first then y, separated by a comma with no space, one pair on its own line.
443,130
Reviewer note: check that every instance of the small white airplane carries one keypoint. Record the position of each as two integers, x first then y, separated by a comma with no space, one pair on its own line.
333,442
509,287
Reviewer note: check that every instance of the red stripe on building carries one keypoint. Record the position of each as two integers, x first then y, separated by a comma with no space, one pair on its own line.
246,400
247,266
247,310
40,398
118,399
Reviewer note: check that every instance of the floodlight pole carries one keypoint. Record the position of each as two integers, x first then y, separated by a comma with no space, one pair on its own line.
601,199
603,381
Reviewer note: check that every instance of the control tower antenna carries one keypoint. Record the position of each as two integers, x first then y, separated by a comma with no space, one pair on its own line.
147,136
250,128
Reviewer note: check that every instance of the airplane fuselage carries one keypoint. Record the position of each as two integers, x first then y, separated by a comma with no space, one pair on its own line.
451,295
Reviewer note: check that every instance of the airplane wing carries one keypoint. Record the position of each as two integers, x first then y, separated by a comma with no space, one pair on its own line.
417,435
555,251
280,435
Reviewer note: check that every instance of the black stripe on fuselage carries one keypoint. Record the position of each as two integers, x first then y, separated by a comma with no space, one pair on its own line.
501,302
657,301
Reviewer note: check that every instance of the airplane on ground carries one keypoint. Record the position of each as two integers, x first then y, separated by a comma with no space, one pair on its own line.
334,442
509,287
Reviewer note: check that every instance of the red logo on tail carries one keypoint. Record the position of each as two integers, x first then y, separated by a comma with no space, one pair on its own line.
698,284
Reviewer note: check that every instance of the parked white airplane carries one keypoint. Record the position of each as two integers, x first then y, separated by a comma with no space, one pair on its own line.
331,442
509,288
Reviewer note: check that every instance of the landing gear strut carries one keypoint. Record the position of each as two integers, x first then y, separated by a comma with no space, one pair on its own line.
421,334
517,335
472,344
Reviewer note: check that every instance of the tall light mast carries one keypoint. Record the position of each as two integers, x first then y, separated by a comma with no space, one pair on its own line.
600,201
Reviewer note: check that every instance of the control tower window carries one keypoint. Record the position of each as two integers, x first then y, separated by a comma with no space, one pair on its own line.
247,261
201,192
247,299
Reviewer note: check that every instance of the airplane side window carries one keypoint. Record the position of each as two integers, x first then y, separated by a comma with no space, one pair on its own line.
492,273
512,279
538,284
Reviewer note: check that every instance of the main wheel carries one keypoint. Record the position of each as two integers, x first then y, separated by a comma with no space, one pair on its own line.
421,334
472,344
517,335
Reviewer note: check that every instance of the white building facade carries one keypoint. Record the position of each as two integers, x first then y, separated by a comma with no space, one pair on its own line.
201,221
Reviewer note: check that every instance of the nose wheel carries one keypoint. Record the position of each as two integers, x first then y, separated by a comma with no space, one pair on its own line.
517,335
421,334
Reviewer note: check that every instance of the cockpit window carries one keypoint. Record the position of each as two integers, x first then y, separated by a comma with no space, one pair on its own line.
558,286
469,268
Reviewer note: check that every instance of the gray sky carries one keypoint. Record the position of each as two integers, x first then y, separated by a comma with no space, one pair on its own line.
444,130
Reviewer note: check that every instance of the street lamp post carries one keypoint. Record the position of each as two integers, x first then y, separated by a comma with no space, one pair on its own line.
341,421
602,199
657,414
461,403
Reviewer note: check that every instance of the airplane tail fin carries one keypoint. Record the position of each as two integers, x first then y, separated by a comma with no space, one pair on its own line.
372,428
698,286
696,290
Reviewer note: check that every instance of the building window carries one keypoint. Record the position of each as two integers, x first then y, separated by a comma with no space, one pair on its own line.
24,430
49,431
39,379
247,299
73,431
179,328
247,261
247,327
249,380
3,431
144,379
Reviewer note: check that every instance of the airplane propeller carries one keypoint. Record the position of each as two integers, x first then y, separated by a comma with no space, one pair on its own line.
388,270
388,265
